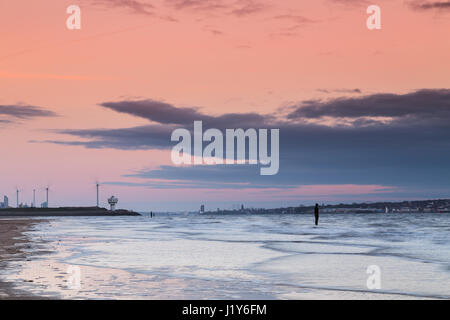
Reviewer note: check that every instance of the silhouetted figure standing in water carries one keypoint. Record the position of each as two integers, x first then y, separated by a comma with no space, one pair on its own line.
316,213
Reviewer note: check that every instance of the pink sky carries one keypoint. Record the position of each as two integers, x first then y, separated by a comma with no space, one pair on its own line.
279,53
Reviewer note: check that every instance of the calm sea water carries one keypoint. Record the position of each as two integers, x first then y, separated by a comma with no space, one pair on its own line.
244,256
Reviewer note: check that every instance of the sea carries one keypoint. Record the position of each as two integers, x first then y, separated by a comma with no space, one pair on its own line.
238,256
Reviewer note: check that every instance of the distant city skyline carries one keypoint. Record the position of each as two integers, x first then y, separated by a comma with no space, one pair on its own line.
363,114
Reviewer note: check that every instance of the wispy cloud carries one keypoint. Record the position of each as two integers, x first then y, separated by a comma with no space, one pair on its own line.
341,91
166,113
23,112
200,5
215,32
298,19
351,3
135,138
248,7
238,8
417,105
430,5
135,6
295,21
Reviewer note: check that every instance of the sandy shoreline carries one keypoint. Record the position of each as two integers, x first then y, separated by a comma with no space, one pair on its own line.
136,259
13,247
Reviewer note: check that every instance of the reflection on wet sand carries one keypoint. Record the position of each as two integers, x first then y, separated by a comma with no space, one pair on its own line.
238,257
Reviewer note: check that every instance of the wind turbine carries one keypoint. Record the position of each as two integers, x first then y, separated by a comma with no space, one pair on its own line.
47,188
97,185
17,196
46,195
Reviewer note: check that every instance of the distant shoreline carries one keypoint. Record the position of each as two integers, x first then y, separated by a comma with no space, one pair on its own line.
303,213
65,212
415,206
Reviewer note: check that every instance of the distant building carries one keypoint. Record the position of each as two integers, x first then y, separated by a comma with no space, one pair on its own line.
112,202
202,208
242,207
44,205
5,203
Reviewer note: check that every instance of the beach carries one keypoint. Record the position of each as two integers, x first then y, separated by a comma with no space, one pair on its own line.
227,257
15,246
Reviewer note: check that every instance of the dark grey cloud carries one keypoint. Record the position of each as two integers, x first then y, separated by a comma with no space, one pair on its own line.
153,110
311,154
225,176
412,151
199,177
155,136
23,112
423,103
136,138
165,113
342,91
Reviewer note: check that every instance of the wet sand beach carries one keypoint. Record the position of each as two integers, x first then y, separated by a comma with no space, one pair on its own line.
225,257
15,246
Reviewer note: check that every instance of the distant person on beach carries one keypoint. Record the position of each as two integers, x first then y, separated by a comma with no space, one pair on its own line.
316,213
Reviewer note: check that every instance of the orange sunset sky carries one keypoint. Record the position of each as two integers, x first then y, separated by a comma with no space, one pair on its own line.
219,57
